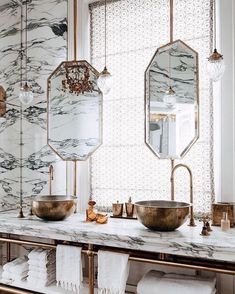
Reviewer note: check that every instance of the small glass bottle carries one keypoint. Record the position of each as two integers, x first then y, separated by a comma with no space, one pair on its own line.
225,222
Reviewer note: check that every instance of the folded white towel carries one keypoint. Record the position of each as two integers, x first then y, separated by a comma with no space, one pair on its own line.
38,283
41,255
17,266
69,267
156,283
113,271
42,275
45,268
41,265
14,277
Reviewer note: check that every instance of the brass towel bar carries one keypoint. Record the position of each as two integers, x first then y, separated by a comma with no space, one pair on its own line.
91,251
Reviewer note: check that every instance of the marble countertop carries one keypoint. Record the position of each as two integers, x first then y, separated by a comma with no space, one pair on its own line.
128,234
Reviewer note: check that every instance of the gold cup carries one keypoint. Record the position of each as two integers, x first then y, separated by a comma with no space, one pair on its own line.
129,209
117,209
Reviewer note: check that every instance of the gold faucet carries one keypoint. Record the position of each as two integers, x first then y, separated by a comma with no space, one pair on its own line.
192,222
51,178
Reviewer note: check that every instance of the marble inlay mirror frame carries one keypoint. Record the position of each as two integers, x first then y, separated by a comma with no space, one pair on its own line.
147,103
96,73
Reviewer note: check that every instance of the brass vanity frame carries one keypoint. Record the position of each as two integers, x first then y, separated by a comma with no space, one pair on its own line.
91,250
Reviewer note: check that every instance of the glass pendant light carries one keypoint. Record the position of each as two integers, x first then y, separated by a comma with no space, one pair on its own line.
105,80
170,98
26,94
215,64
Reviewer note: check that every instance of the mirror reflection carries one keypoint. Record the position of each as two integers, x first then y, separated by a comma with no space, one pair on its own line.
74,110
172,100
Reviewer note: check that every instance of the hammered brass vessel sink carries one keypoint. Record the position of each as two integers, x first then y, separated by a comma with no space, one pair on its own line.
54,207
162,215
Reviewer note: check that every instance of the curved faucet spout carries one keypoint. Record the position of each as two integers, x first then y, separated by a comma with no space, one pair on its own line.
192,222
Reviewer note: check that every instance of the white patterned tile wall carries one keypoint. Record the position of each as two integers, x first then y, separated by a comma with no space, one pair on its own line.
124,166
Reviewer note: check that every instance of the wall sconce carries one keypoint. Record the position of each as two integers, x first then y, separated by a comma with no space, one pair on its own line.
3,105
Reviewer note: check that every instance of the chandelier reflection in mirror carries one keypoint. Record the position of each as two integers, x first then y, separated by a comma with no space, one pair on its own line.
77,78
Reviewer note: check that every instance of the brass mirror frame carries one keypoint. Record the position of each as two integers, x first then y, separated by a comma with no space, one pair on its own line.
147,104
101,108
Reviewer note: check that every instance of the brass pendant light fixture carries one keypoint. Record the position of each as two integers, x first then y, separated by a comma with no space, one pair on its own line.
26,94
105,80
170,97
77,77
215,65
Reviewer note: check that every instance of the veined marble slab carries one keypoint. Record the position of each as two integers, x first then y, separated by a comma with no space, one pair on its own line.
128,234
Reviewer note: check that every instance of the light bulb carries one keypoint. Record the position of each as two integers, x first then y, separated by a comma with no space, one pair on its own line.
26,94
170,98
105,81
215,66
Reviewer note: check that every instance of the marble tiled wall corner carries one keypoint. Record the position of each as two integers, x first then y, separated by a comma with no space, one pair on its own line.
47,47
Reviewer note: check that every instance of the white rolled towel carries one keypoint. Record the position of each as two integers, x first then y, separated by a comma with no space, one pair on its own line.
155,283
113,272
16,266
8,276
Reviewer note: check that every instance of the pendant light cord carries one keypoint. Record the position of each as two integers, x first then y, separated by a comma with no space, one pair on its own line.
21,111
171,20
26,40
214,8
75,7
105,33
171,37
21,48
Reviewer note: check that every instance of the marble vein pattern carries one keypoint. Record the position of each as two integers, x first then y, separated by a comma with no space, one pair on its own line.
47,47
186,241
175,66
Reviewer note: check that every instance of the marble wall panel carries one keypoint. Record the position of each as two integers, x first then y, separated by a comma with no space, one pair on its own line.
47,47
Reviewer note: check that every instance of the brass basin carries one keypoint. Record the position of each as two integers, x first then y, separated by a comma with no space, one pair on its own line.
162,215
54,207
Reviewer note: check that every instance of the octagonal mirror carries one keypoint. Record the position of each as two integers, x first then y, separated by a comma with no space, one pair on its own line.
74,111
172,100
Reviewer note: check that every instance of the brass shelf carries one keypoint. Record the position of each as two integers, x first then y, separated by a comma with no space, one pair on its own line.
91,251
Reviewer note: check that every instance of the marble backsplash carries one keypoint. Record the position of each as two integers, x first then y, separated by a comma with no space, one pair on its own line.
47,47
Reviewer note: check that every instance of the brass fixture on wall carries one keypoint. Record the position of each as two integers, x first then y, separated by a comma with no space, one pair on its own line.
3,105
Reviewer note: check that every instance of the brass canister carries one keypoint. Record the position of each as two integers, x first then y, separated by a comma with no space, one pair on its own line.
117,209
217,212
129,208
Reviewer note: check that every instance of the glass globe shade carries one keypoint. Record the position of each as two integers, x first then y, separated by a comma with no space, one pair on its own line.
215,66
105,81
170,98
26,95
